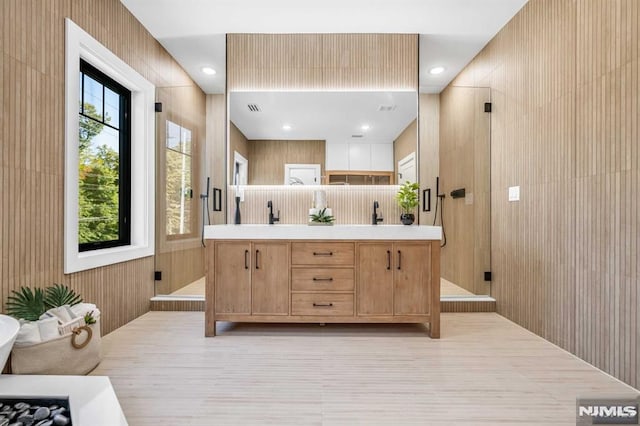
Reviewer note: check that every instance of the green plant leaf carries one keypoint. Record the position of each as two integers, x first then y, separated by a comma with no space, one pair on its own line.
26,303
59,295
407,196
322,217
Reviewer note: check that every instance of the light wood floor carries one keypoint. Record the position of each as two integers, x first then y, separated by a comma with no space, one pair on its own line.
196,288
484,371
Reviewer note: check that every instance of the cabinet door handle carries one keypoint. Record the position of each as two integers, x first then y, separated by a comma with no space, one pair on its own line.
257,253
246,259
388,259
399,259
323,253
322,305
322,279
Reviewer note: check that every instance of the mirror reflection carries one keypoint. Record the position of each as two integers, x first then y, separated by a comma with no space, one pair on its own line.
314,138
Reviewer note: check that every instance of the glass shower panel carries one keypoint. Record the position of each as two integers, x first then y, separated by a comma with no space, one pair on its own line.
465,180
180,133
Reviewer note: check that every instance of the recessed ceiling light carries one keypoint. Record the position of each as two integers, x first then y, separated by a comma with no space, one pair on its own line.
436,70
365,127
286,127
208,70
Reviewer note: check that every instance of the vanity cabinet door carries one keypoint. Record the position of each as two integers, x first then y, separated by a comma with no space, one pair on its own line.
412,283
375,279
233,277
270,278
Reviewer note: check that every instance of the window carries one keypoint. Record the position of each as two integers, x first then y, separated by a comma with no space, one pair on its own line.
109,210
104,167
179,189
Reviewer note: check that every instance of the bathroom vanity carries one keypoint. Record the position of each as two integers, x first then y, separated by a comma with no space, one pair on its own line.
323,274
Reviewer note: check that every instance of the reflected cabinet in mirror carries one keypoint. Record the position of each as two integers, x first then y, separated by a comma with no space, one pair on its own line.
322,138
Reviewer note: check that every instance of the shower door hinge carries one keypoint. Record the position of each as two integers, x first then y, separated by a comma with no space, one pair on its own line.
487,275
158,106
157,276
487,107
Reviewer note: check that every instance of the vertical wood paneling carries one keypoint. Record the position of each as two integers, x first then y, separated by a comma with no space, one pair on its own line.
215,151
322,62
349,204
565,85
267,158
607,186
429,158
32,45
405,144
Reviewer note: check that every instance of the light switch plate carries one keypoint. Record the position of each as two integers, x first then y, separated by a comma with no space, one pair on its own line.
468,198
514,193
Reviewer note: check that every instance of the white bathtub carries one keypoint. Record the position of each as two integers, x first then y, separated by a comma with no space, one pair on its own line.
8,331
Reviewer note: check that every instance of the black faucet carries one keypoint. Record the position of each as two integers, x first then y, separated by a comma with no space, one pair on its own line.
272,219
374,217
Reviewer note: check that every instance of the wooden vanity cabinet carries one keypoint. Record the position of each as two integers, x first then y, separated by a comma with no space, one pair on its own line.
394,278
328,281
251,278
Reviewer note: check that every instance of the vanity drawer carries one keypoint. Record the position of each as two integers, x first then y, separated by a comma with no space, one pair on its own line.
322,304
322,279
329,254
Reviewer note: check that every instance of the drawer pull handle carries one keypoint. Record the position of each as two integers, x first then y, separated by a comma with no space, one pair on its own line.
322,279
246,259
257,253
388,259
399,260
323,253
322,305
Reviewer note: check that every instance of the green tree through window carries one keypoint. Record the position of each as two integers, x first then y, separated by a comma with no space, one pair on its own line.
103,204
179,192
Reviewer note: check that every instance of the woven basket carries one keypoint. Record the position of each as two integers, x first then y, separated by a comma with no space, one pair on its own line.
76,353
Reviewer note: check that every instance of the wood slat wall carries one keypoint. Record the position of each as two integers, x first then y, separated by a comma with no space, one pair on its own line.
267,158
215,151
322,61
405,144
429,158
350,204
565,82
607,157
32,43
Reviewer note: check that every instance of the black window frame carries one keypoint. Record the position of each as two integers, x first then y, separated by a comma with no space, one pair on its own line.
124,172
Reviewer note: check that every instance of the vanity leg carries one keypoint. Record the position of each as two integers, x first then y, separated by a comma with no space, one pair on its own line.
209,325
434,328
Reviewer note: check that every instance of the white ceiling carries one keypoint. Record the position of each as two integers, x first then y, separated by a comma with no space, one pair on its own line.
331,116
452,31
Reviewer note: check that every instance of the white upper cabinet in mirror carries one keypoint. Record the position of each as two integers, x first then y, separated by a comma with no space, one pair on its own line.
353,137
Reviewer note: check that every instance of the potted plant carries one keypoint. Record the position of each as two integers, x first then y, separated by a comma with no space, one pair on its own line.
321,217
407,198
65,341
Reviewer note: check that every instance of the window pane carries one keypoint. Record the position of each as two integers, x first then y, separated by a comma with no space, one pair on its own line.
92,98
173,136
111,108
178,193
99,186
186,141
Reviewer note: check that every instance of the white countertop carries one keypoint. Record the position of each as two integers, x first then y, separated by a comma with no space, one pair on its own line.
91,398
335,232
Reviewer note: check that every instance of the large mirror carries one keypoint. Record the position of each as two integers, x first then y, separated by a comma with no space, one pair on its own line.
322,138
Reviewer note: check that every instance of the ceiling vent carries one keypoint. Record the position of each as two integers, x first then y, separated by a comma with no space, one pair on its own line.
357,136
253,108
386,108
